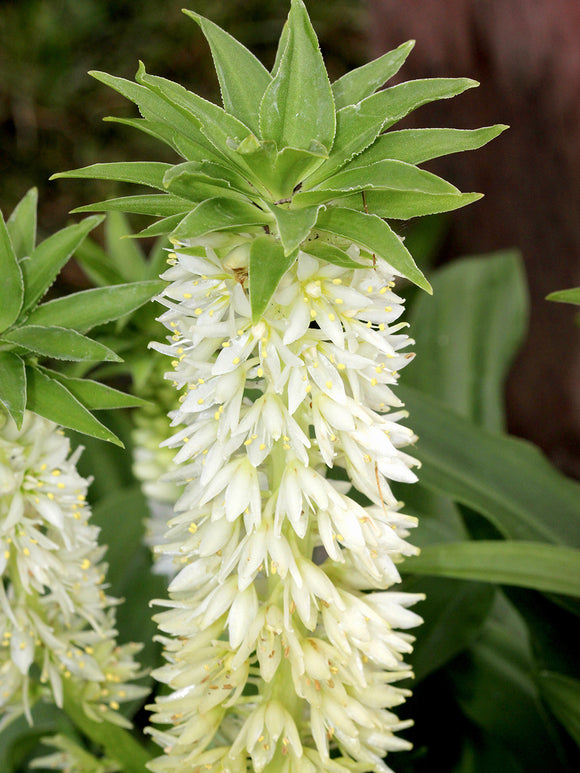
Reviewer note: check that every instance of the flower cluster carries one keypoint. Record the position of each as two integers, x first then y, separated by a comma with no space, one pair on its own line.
57,622
288,435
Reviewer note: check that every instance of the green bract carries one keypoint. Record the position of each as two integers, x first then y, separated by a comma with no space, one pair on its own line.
290,157
31,331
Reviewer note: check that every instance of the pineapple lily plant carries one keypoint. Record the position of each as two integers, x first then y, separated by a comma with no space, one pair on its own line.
285,647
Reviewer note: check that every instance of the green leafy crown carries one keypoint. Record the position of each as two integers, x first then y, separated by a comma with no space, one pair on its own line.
31,332
290,156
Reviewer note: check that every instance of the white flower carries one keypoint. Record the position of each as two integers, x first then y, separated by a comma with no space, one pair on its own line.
55,613
276,652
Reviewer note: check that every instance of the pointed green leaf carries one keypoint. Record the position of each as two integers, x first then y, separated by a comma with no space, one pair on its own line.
13,386
359,125
13,286
387,174
562,694
565,296
268,264
298,105
88,308
186,181
60,344
22,224
330,253
505,479
548,568
416,146
281,48
49,398
243,78
41,269
156,205
471,330
360,83
94,395
164,226
222,131
219,214
372,233
182,145
403,205
140,172
157,110
126,254
294,225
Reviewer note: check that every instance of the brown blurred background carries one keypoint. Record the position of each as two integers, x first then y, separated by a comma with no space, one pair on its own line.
525,53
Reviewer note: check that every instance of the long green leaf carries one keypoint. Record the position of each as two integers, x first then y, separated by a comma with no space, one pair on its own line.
140,172
505,479
13,286
402,205
416,146
268,264
88,308
372,233
243,78
158,111
331,254
51,399
298,106
571,295
471,331
548,568
94,395
13,386
50,256
155,204
562,694
60,343
222,131
358,126
294,225
22,224
218,214
360,83
388,174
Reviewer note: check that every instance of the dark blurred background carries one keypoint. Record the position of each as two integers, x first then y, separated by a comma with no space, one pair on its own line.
526,53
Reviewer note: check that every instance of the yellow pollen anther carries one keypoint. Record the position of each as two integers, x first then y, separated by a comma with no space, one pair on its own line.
388,308
198,311
56,473
337,281
374,382
328,384
201,401
338,300
312,313
369,289
187,295
85,563
341,366
383,290
331,317
236,360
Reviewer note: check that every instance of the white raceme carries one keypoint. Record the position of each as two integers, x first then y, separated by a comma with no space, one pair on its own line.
56,619
278,656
